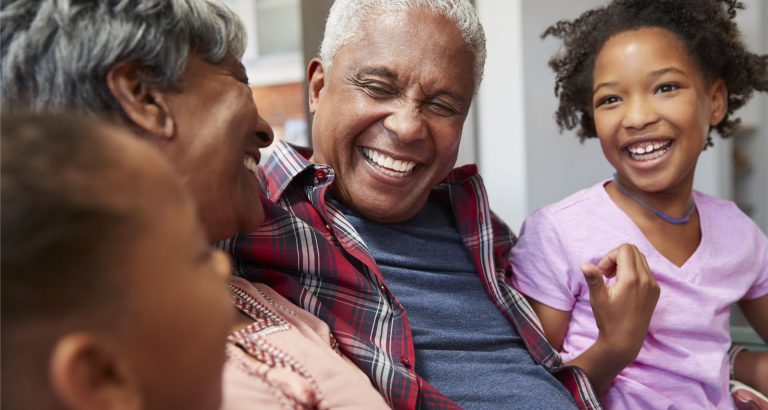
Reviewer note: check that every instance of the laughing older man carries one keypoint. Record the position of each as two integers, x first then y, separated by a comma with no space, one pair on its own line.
374,232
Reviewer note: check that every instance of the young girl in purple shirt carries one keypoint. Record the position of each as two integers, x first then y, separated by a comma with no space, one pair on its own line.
651,80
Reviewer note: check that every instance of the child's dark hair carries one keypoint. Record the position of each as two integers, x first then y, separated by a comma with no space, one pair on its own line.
705,27
62,229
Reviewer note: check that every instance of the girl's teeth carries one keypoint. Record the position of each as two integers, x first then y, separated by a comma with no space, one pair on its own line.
650,148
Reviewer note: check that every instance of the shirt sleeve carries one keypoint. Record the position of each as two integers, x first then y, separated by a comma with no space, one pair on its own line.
540,264
760,287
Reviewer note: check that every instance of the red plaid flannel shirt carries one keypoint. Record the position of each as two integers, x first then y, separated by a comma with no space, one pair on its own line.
308,252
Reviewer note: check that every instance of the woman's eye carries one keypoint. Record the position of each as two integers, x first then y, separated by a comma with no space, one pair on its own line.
667,88
242,79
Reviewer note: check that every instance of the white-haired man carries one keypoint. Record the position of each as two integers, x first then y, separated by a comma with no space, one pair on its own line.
374,233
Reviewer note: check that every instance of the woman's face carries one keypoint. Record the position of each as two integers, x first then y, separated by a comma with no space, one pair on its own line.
215,149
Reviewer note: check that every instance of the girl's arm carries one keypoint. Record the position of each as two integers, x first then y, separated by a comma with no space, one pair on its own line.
751,368
622,311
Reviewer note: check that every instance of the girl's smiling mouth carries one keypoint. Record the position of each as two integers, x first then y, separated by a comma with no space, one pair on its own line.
648,150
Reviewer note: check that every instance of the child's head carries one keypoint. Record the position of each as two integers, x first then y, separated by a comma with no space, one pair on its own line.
111,295
703,27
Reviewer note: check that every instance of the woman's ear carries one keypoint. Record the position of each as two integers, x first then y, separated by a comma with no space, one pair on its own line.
86,373
718,100
144,105
316,80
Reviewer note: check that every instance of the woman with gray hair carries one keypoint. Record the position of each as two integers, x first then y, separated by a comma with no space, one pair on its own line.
170,71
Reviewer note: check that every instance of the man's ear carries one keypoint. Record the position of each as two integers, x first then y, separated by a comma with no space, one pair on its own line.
87,373
144,105
718,95
316,80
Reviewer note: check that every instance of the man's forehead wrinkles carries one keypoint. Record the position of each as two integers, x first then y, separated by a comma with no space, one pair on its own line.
378,71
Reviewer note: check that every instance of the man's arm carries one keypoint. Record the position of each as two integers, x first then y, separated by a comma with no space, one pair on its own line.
751,368
622,311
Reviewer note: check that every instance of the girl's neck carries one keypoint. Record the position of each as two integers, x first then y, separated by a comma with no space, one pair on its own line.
672,205
675,241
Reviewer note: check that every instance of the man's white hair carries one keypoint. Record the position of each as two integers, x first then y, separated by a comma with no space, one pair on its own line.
346,19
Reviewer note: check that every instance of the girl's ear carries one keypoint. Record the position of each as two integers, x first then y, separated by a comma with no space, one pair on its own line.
144,105
87,373
718,102
316,80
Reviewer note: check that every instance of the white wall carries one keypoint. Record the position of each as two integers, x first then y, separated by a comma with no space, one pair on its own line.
501,120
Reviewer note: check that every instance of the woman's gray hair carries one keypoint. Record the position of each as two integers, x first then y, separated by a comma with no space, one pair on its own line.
56,54
346,19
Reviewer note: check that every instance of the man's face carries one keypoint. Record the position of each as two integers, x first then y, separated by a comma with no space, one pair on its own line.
216,145
388,114
179,312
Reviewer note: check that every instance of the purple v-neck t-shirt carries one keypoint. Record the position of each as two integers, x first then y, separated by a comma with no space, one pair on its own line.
683,362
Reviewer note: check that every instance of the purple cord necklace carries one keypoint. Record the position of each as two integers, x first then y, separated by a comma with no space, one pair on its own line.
662,215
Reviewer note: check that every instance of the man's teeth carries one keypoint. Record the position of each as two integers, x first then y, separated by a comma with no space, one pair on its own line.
648,151
387,164
251,164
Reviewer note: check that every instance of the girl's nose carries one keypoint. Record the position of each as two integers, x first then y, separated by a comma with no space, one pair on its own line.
639,113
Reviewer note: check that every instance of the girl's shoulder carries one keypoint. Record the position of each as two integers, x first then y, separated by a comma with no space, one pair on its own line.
586,212
725,214
588,200
718,206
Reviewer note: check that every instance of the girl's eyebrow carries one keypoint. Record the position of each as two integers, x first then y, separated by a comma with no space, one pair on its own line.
605,84
653,74
662,71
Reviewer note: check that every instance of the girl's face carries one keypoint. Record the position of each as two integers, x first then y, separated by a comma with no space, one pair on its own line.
653,109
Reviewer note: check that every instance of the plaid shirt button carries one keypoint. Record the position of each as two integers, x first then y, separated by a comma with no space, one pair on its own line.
321,175
404,360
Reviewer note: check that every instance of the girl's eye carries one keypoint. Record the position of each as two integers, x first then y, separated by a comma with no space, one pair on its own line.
611,99
667,88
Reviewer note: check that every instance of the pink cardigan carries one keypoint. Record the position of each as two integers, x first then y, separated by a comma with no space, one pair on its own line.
287,358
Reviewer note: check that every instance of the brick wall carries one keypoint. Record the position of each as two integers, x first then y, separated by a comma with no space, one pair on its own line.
280,103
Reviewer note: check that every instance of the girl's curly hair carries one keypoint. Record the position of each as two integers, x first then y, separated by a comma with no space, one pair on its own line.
705,27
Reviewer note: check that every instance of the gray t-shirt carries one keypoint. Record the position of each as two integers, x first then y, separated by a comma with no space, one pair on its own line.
464,345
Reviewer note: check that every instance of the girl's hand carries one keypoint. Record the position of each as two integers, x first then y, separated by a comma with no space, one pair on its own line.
622,311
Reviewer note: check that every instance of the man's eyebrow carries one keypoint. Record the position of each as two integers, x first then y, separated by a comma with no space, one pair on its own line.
376,72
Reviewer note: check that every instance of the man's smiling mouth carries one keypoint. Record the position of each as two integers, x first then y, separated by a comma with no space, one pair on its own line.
388,165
